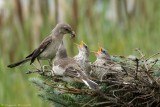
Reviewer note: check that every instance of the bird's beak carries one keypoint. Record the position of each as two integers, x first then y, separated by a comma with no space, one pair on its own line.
81,44
73,34
99,50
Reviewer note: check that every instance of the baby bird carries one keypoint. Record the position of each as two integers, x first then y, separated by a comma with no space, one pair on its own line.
70,70
82,58
103,64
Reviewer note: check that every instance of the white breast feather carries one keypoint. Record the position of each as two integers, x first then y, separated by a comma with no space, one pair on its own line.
58,70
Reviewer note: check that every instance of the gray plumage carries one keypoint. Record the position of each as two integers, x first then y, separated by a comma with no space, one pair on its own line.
98,67
49,46
70,70
82,58
61,53
103,64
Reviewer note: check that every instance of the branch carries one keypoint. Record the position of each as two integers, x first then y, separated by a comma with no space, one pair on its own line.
152,56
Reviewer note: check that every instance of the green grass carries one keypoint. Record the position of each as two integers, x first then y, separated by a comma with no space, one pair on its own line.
16,89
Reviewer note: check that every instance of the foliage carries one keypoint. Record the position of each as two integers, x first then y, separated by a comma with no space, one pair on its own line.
134,86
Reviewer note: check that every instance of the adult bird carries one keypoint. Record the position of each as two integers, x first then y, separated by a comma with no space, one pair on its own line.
70,70
49,46
103,64
82,58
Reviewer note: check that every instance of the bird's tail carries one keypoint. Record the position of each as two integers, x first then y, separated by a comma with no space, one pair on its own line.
19,63
91,84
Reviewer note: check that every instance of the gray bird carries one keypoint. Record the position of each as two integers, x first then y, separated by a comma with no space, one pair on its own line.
82,58
70,70
103,57
49,46
103,64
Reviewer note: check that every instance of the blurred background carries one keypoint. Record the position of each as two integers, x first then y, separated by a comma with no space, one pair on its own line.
120,26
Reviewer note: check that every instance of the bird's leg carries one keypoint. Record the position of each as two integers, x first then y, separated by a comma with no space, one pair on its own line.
35,66
33,71
42,67
50,62
40,64
48,68
52,72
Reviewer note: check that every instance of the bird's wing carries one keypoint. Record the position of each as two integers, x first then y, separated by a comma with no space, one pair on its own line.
72,69
72,72
41,48
30,55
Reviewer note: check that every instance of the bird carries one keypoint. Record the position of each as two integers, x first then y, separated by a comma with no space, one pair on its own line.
102,56
103,64
70,70
82,58
49,46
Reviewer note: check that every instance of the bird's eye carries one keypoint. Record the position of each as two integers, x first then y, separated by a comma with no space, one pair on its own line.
103,51
85,46
66,29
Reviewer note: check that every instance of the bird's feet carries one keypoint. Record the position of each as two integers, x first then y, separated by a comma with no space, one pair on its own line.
52,72
45,66
35,66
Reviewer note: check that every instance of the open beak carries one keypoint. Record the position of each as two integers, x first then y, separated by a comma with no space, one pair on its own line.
99,50
73,34
81,44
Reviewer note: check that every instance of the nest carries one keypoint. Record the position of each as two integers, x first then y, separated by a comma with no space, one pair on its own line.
137,85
